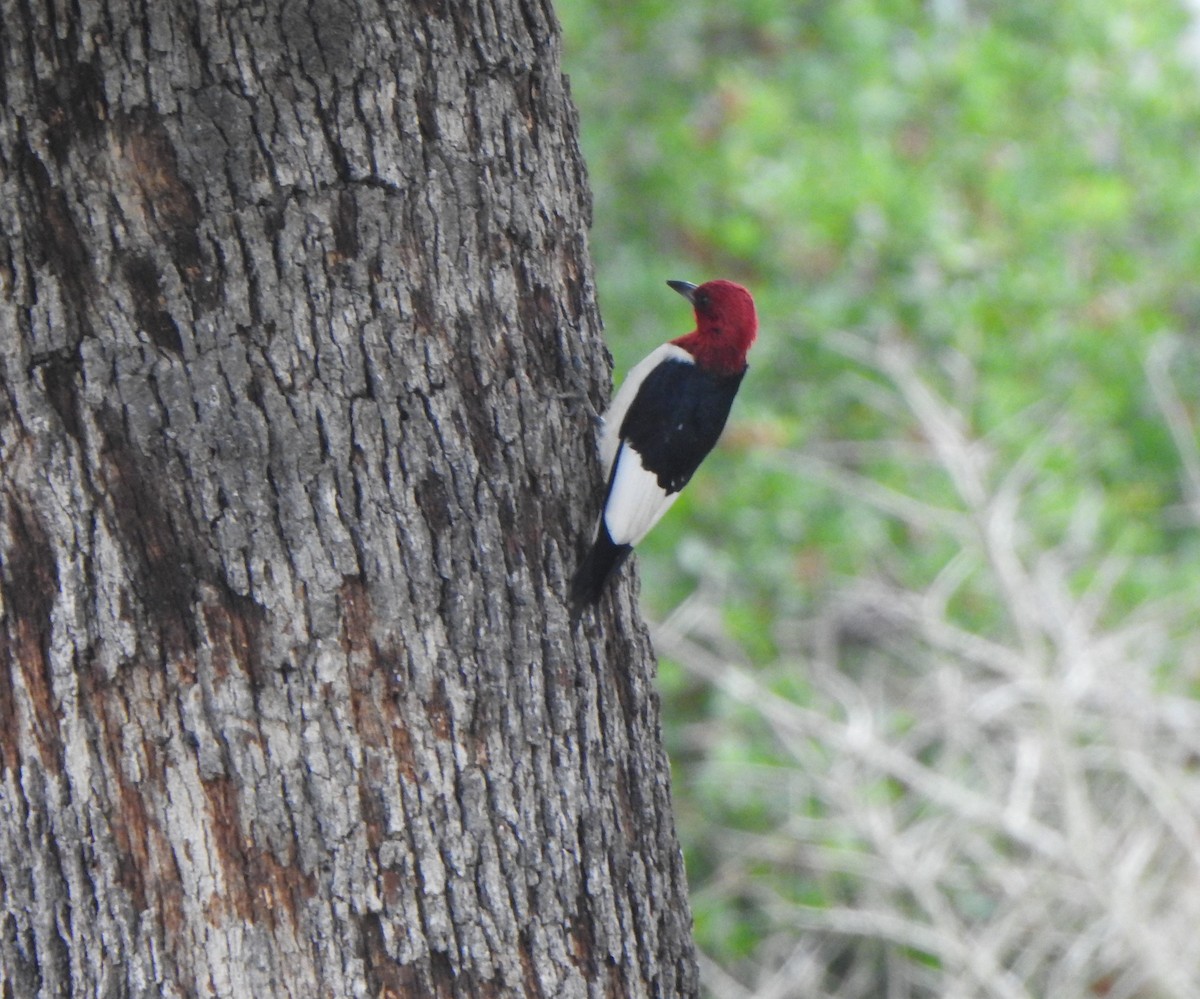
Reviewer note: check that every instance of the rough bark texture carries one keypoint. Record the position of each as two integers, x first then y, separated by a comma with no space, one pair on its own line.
297,338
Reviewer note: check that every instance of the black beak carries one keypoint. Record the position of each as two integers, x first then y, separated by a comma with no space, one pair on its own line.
685,288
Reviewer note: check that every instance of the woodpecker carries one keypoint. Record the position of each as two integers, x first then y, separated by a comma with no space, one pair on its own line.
667,416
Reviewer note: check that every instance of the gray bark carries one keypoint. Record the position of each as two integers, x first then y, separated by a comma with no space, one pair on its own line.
298,351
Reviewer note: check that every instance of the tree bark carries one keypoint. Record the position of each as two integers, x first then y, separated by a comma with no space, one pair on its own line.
299,353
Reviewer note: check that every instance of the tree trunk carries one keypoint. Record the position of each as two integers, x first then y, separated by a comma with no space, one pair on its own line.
297,343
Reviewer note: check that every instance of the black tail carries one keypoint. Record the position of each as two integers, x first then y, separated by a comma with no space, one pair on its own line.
602,561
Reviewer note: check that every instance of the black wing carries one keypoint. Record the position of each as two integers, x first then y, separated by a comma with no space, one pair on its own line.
676,418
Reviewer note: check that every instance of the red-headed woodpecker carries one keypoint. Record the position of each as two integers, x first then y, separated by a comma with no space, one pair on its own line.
666,417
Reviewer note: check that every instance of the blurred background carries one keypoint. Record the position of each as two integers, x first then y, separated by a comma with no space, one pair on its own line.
929,619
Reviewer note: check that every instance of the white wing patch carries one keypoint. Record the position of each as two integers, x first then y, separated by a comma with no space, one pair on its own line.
636,501
610,439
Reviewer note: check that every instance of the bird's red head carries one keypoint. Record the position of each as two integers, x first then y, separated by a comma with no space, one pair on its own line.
726,324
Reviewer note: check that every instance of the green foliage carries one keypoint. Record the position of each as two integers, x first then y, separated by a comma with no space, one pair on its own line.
1008,191
1006,194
